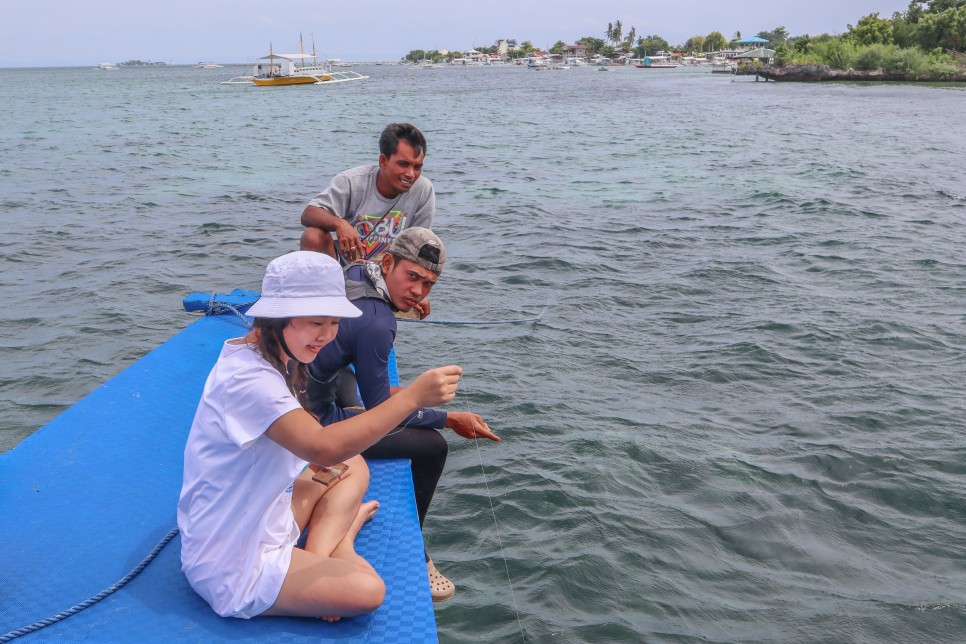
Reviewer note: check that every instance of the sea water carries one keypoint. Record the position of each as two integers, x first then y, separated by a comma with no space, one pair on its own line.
740,415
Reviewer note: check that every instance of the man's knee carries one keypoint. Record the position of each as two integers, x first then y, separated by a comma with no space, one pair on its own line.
317,240
433,446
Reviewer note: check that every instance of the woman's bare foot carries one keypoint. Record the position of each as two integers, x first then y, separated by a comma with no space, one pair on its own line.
346,548
366,511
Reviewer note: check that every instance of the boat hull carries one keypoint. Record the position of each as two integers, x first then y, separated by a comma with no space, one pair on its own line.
285,80
87,496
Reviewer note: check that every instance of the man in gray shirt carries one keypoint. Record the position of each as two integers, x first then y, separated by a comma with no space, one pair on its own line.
366,207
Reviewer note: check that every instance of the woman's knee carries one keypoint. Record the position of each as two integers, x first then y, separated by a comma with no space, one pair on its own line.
359,468
359,594
364,594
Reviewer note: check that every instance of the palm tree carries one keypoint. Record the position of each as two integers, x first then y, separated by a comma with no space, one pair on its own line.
610,32
618,29
631,35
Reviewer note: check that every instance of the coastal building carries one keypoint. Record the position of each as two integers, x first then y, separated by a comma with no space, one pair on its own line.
474,57
576,52
766,56
622,56
727,54
506,45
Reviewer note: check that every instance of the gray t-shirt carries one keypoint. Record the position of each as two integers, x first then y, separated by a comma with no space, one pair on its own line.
352,195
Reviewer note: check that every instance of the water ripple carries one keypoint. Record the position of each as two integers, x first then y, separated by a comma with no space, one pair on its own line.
739,417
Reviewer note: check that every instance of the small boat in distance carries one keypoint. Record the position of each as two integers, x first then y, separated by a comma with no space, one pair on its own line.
285,69
660,60
720,65
107,66
202,65
537,62
292,69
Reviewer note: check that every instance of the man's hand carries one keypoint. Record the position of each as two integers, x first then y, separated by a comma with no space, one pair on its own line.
350,246
422,309
469,425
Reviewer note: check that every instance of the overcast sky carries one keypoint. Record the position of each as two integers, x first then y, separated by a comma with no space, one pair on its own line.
87,32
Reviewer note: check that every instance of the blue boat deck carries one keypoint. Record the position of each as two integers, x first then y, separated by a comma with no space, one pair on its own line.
84,499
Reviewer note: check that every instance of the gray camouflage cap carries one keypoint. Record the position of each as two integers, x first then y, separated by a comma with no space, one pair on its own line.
421,246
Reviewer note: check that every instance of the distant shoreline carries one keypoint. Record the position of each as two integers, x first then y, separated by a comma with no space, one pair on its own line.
822,73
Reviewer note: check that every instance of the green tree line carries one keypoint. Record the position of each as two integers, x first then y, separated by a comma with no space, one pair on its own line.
922,39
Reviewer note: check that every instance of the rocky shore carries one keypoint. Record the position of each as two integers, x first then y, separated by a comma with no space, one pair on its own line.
822,73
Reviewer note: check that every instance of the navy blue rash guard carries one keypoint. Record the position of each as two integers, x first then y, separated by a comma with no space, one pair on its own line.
364,342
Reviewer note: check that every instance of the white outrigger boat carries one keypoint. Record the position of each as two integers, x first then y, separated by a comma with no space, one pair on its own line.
293,69
660,60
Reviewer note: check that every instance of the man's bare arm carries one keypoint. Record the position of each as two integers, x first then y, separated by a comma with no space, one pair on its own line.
349,243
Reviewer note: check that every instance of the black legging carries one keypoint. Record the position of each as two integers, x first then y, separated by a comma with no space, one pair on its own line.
424,447
427,450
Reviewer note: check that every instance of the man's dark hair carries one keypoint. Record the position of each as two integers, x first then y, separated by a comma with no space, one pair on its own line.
389,140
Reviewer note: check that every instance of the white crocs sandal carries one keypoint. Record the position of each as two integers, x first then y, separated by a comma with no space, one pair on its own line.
440,587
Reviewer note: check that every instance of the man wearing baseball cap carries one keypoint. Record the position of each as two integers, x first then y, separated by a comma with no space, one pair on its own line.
249,487
397,283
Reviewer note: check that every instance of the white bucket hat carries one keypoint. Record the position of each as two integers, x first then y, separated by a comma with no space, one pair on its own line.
303,284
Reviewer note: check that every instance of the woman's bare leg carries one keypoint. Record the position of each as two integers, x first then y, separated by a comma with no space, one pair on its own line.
327,512
328,579
327,587
346,550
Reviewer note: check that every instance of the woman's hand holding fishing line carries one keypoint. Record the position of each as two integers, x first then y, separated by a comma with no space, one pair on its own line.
435,387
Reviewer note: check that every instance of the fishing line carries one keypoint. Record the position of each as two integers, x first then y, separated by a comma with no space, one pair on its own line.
481,322
499,535
535,318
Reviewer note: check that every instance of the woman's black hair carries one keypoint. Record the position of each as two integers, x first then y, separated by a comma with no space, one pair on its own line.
271,346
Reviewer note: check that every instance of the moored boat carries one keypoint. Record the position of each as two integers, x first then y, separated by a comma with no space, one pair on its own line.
90,494
288,69
293,69
723,68
657,61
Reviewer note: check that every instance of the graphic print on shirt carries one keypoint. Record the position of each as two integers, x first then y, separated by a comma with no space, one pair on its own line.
377,232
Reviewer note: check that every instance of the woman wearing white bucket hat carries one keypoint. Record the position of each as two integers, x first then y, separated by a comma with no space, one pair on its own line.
247,494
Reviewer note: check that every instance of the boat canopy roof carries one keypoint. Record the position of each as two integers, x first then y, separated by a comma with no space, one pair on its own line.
289,56
761,52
